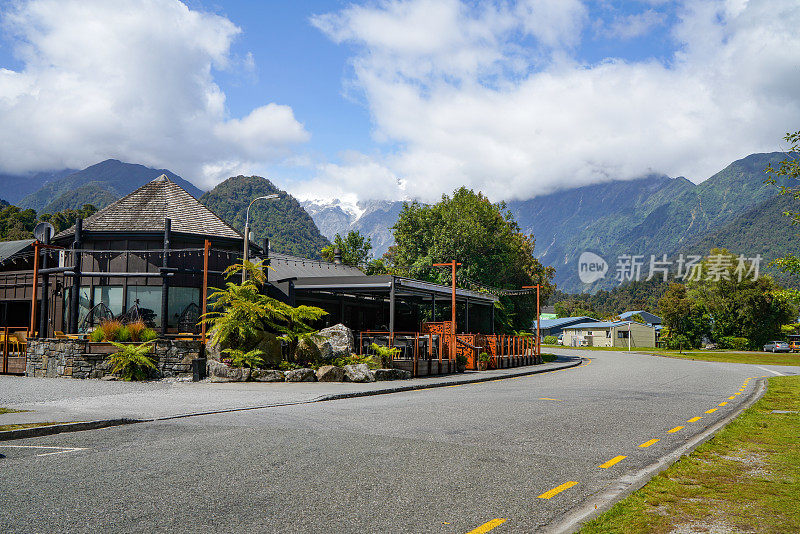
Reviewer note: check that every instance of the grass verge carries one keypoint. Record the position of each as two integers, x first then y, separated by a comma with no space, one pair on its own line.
752,357
745,479
549,357
20,426
9,410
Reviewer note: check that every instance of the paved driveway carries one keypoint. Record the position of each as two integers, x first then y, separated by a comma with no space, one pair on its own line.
437,460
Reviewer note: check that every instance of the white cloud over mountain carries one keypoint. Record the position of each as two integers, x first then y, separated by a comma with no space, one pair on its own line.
493,97
130,79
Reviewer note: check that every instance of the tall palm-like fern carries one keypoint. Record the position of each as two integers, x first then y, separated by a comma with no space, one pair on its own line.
240,314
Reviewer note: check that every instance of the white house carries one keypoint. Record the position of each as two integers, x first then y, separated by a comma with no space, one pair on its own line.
610,334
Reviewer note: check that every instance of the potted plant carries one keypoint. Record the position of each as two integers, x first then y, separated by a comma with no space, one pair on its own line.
483,361
461,363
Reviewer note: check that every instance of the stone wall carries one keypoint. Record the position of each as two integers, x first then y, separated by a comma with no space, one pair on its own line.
73,358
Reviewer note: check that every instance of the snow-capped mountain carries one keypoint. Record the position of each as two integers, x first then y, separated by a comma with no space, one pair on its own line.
373,218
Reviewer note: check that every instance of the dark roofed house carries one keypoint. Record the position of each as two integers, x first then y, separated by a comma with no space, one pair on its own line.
144,253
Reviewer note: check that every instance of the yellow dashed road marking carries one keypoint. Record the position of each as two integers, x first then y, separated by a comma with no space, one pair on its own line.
486,527
731,397
548,398
613,461
722,404
650,442
558,489
673,430
694,419
712,410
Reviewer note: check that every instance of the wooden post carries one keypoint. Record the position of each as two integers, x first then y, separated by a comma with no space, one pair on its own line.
44,308
538,327
32,328
206,247
453,264
5,349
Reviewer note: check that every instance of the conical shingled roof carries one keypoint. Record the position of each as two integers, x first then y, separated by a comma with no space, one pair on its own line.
145,209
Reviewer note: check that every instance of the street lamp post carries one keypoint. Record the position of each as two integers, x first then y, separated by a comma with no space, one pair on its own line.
247,233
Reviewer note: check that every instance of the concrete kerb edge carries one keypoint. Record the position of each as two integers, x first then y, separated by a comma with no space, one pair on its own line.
384,391
618,489
58,428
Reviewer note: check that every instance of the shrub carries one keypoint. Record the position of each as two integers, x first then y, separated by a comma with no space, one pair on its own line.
550,340
110,330
384,355
355,359
484,357
678,341
132,361
96,336
734,343
251,359
124,335
287,366
461,360
148,334
135,330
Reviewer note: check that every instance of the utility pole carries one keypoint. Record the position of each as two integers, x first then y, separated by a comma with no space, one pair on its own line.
538,347
452,265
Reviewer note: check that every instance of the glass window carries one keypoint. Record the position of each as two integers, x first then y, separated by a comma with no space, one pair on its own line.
149,300
84,305
111,296
183,299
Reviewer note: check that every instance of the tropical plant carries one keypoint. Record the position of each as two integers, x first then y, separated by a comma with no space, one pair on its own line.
148,334
252,358
384,355
461,361
241,315
550,340
132,362
484,357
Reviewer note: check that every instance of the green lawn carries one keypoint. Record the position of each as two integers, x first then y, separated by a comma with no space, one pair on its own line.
755,357
3,428
745,479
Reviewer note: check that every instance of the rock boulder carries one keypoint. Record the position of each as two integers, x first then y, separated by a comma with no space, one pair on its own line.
330,373
301,375
391,374
219,372
358,373
340,338
267,375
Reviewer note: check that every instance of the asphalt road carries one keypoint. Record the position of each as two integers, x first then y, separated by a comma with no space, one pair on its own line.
439,460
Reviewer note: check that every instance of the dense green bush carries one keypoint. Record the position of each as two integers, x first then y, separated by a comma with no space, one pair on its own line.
550,340
678,342
132,361
734,343
355,359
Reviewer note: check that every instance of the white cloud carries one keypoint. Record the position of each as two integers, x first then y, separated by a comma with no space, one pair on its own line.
635,24
132,80
463,106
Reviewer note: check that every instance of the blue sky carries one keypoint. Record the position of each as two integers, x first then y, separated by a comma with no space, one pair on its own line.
398,98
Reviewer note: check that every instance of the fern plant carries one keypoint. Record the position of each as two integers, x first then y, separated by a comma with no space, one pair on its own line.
132,361
252,358
384,355
240,314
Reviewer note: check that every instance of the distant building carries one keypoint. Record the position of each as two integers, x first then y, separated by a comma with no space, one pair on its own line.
648,317
553,327
610,334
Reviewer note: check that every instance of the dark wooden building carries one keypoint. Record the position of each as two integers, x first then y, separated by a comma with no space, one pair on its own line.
145,254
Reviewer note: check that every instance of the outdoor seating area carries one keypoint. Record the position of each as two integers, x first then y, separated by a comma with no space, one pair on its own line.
13,344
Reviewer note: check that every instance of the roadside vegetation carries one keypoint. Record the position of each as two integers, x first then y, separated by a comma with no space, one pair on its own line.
4,428
745,479
9,410
751,357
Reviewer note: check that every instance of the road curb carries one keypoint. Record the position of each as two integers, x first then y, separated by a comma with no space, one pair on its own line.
58,428
399,389
618,489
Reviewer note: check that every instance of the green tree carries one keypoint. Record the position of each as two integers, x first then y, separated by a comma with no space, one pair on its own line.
62,220
739,305
481,235
354,248
684,320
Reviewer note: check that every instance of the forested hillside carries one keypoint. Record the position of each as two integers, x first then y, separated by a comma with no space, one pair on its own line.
289,228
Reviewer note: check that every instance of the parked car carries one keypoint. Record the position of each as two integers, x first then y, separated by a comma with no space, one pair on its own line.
777,346
560,339
794,343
